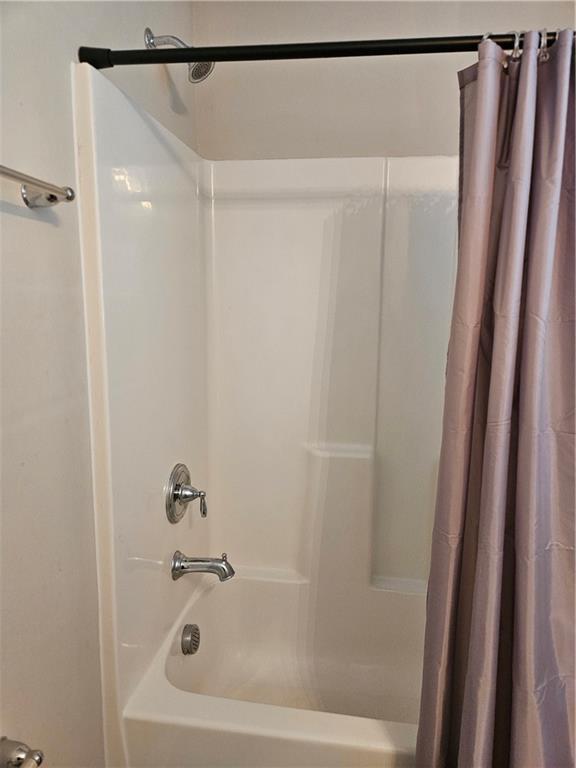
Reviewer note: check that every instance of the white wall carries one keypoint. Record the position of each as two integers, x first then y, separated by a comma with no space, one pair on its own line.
50,669
380,106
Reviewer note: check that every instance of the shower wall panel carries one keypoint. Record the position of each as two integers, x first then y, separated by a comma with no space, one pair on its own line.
144,281
418,271
329,304
294,256
330,296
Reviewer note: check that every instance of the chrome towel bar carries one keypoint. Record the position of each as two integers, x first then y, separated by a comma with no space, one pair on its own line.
35,192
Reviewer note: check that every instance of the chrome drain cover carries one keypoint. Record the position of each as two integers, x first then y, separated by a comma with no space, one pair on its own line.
190,639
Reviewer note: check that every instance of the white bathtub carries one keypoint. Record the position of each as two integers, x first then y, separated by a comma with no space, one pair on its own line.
250,696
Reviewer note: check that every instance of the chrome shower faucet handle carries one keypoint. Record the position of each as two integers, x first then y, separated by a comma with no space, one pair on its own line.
179,493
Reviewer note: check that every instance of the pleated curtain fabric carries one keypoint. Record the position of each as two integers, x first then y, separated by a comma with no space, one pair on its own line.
498,684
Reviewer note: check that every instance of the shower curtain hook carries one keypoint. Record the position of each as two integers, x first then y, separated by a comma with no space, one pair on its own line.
486,36
543,54
516,52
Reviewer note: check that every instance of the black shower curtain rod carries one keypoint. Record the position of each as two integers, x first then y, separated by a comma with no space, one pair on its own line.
102,58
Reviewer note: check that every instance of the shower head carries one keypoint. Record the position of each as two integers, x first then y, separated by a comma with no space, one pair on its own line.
197,70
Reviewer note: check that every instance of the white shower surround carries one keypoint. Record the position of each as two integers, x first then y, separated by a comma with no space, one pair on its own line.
235,322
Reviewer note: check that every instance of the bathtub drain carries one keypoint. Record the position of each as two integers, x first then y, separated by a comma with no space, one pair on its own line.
190,639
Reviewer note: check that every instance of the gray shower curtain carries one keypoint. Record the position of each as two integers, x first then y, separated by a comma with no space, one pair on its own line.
498,685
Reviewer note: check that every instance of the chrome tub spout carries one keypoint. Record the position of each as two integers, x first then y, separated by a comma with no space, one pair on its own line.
217,565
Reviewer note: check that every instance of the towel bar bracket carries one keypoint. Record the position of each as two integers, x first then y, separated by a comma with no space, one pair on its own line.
38,198
35,192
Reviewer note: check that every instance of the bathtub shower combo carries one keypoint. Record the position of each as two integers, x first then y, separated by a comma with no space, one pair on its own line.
266,345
